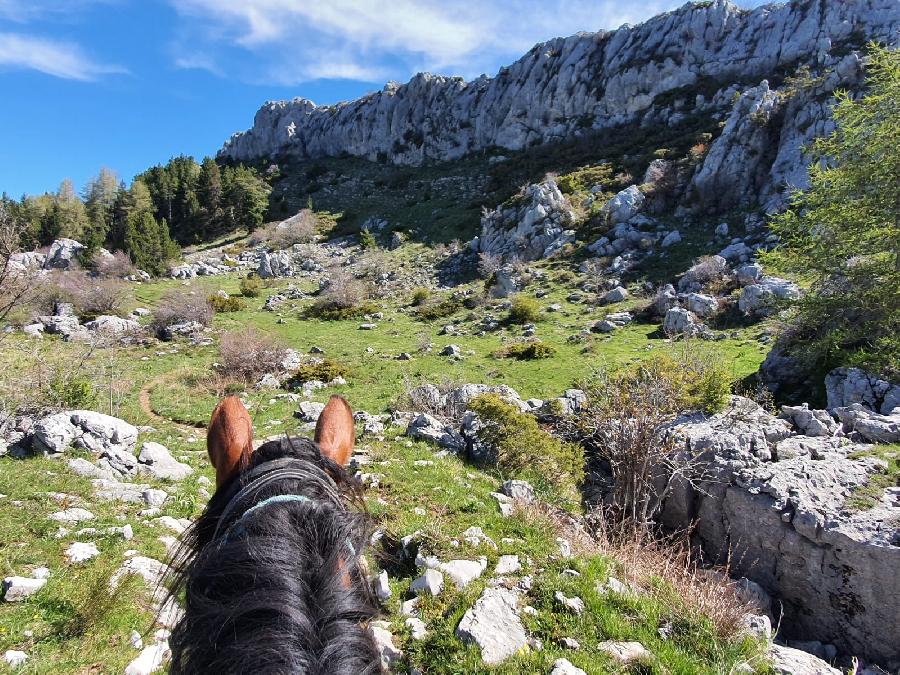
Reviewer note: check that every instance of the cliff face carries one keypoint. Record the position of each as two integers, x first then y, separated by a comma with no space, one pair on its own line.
687,61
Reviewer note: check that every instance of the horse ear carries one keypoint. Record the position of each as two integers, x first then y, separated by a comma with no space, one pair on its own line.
335,431
229,439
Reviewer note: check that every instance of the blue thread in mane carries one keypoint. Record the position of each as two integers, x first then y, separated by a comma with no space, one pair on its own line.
238,528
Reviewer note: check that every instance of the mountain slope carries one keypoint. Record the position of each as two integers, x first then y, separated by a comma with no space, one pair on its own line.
690,61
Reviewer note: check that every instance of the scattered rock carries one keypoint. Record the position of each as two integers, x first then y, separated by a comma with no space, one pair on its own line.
463,572
518,489
83,429
155,459
574,605
79,552
625,652
431,582
384,642
762,298
72,515
16,589
14,658
150,660
679,321
508,564
427,428
788,661
493,624
565,667
382,586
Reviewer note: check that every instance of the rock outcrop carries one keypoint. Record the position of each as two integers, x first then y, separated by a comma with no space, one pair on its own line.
84,429
532,227
693,60
775,505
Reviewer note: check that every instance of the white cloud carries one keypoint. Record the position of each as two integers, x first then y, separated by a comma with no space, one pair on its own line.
292,41
24,11
59,59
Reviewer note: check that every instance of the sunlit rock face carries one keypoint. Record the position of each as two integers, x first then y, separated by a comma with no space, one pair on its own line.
704,58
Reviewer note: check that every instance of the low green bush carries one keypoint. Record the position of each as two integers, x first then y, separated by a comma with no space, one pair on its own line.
527,351
251,286
72,391
367,239
524,310
523,449
419,296
222,304
439,310
323,371
330,310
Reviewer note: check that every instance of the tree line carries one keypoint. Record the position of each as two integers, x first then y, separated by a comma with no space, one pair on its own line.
167,206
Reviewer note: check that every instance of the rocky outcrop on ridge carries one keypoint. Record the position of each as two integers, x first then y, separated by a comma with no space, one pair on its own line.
772,502
531,228
690,61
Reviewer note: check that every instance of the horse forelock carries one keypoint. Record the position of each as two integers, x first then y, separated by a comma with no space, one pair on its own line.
287,594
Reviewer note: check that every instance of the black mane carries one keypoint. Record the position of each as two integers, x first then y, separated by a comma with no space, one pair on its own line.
268,597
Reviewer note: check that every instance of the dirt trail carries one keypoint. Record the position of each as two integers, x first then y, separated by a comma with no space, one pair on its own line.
144,401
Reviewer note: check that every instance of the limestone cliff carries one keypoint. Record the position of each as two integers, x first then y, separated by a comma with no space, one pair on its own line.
707,58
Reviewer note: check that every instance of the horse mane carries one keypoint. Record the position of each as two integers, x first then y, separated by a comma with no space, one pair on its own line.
286,595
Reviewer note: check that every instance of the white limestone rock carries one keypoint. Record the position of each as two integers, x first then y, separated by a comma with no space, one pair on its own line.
493,624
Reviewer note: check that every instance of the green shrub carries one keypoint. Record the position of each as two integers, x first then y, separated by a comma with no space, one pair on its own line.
419,296
221,304
251,286
526,351
525,450
524,310
324,371
330,310
440,310
72,391
367,239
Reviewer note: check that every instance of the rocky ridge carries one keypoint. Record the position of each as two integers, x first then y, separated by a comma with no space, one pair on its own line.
694,60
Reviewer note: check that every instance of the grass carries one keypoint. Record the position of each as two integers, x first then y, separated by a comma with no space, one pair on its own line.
865,497
74,632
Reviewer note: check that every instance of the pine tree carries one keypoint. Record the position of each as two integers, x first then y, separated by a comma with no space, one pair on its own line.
99,199
843,232
209,193
246,198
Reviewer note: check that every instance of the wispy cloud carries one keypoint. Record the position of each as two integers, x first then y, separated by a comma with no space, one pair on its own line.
24,11
293,41
59,59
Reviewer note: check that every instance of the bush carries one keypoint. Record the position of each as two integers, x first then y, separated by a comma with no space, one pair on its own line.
251,286
525,450
328,310
72,391
116,266
249,354
367,239
345,297
488,264
299,229
524,310
419,296
440,310
222,304
181,306
527,351
625,426
325,370
93,297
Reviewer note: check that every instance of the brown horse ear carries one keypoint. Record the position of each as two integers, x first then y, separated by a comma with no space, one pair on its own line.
335,431
229,439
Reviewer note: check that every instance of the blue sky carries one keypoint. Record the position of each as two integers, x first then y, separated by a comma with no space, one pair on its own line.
129,83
